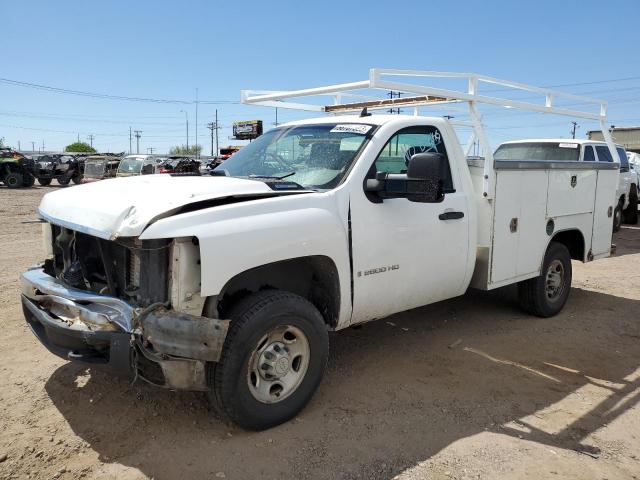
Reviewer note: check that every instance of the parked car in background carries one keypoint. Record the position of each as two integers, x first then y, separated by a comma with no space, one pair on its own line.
562,149
64,168
99,167
139,165
180,164
226,152
634,164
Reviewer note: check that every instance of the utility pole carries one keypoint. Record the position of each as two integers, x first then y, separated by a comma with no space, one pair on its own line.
129,140
573,129
217,128
276,124
43,145
33,147
137,135
78,138
214,127
150,150
196,145
19,145
91,137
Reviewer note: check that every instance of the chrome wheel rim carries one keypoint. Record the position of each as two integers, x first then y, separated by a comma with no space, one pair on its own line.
278,364
555,280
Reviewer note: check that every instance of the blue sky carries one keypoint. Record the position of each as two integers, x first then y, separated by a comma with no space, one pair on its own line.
165,50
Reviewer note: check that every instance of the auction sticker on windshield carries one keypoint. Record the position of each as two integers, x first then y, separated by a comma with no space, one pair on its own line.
351,128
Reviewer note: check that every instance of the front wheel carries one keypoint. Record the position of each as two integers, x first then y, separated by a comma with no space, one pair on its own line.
64,180
617,217
13,180
272,362
77,179
546,294
44,181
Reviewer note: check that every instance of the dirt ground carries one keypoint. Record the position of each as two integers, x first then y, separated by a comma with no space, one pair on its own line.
468,388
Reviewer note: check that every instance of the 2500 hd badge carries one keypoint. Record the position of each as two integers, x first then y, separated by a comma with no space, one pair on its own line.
373,271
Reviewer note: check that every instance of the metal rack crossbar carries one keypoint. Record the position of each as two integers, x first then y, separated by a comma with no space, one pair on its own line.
425,95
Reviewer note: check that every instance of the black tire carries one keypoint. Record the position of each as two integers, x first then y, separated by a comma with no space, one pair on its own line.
631,213
13,180
63,180
617,217
44,181
77,179
534,295
251,319
28,180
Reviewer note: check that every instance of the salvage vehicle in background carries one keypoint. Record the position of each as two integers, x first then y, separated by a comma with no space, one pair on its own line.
64,168
15,169
229,284
133,165
180,164
563,149
99,167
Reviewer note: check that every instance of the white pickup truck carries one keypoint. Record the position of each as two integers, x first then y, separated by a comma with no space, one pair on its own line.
562,149
229,283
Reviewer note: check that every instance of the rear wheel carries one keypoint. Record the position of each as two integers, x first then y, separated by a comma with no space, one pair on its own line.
13,180
272,361
546,294
631,213
44,181
63,180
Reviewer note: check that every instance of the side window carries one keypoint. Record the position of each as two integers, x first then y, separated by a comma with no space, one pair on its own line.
604,155
395,156
624,160
588,154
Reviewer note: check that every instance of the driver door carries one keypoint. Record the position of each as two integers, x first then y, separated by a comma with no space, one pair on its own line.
407,254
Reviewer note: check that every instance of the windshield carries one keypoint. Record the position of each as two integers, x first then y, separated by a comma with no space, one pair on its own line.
314,156
94,168
538,151
130,165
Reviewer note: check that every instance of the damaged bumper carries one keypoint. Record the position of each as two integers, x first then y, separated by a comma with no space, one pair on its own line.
164,347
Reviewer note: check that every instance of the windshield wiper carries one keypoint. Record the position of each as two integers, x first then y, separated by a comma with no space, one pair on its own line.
275,177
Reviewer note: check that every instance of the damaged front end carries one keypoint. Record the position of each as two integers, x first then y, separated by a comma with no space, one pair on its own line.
114,303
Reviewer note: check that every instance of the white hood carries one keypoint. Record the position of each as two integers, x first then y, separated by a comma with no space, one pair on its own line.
123,207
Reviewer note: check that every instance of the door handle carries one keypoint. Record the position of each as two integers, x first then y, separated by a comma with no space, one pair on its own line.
451,215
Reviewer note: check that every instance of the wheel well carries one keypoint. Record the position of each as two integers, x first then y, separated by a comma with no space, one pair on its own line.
574,241
314,278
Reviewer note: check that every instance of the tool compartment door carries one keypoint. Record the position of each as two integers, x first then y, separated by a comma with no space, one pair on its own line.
571,192
605,201
519,224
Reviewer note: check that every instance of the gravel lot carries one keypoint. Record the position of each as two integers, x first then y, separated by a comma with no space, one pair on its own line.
468,388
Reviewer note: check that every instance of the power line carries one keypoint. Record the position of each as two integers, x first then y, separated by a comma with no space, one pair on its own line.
106,96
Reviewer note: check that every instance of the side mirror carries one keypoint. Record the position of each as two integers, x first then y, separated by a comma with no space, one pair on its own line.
422,182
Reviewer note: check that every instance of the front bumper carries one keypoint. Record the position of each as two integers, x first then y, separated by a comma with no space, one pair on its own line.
164,347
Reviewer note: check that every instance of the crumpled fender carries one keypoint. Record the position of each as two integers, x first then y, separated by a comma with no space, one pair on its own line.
235,238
